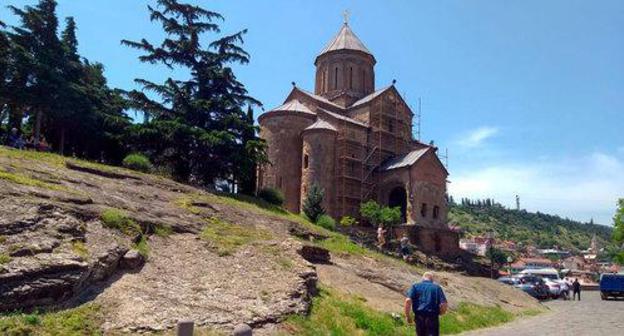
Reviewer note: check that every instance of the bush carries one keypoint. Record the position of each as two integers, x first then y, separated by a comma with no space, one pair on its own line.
272,196
348,221
312,206
326,222
138,162
119,220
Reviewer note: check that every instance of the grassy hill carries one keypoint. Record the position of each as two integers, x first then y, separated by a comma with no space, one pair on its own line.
71,233
539,229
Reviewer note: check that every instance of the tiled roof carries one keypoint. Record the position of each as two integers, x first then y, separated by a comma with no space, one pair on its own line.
345,39
345,118
404,160
320,98
370,97
321,124
293,105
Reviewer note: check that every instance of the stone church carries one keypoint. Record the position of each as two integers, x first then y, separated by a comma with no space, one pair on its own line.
354,140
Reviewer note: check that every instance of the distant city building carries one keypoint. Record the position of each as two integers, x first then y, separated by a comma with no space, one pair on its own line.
531,263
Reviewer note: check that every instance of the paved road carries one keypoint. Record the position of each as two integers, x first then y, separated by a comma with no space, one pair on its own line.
591,317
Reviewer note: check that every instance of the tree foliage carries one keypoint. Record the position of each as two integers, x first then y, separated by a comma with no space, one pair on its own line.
197,126
62,96
618,233
376,214
312,206
538,229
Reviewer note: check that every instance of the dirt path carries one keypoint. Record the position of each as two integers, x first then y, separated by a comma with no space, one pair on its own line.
591,317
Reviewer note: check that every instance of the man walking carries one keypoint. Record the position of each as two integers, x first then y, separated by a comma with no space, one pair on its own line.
427,300
576,286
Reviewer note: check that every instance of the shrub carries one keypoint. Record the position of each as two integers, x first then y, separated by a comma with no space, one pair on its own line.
348,221
138,162
326,222
272,196
4,259
312,206
117,219
142,247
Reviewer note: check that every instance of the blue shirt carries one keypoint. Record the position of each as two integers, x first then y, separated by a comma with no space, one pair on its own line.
426,297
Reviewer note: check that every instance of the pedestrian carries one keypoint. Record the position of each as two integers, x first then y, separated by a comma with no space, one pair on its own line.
15,139
381,237
405,248
565,289
427,301
576,286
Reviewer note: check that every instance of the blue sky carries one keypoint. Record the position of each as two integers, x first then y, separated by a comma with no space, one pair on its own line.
528,96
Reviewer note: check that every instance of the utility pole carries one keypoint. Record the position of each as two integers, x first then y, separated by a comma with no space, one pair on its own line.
517,202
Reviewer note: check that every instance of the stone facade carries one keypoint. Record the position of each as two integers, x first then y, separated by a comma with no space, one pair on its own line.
355,142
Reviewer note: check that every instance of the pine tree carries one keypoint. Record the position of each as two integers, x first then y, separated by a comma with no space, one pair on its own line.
4,73
199,123
312,206
37,37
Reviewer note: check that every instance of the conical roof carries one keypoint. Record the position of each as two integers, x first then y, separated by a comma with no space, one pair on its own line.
295,106
321,124
345,39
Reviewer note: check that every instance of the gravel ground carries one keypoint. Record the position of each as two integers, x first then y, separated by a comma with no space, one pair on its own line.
591,317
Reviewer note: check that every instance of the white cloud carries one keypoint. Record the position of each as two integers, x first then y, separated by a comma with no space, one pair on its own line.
477,137
581,188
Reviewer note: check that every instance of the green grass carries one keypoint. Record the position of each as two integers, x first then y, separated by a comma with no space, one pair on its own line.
81,321
142,247
337,314
27,181
53,159
119,220
4,259
469,316
80,249
225,238
3,239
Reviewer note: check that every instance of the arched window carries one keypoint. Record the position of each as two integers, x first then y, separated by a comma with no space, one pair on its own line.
336,78
363,80
436,211
306,161
350,77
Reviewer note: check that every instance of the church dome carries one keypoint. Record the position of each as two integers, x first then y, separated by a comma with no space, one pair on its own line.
345,40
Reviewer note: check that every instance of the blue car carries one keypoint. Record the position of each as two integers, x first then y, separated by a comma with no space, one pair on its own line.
611,285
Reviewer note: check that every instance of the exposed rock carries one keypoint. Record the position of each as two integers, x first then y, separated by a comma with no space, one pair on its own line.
315,254
300,231
242,330
99,172
132,260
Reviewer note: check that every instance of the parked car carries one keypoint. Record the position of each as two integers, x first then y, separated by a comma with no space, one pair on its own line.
611,285
509,281
534,286
554,288
552,278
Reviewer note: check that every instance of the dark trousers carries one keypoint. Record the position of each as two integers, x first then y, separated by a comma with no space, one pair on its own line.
575,294
427,325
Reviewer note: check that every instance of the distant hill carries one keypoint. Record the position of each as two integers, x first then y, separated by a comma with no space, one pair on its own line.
538,229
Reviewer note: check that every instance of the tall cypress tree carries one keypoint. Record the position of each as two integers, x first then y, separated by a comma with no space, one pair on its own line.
197,126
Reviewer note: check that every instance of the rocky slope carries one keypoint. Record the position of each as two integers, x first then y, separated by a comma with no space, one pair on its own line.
212,259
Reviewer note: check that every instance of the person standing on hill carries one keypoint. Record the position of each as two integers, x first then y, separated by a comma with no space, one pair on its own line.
381,237
576,286
427,301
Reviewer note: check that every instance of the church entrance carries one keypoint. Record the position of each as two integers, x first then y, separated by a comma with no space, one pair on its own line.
398,198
